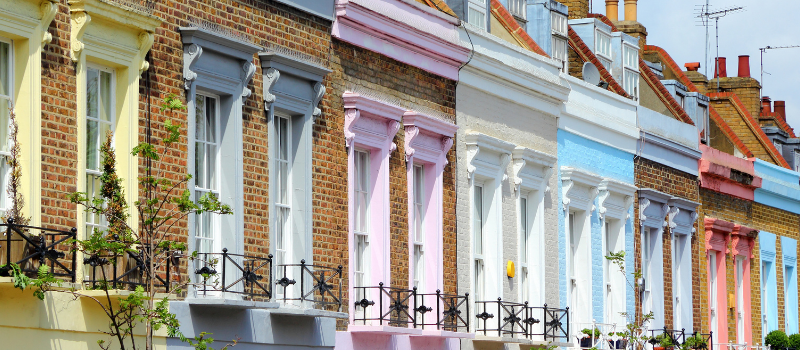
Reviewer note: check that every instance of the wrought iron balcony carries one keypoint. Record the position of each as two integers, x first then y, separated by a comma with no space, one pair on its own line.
451,312
676,336
123,272
398,307
318,285
31,247
518,320
249,276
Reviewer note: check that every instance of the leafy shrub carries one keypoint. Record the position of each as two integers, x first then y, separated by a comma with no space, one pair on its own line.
794,341
777,340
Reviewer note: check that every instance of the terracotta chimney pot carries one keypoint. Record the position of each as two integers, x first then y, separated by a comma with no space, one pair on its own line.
612,9
720,68
692,66
766,105
630,10
780,108
744,66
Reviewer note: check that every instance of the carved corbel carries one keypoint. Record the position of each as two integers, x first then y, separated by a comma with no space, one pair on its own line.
48,9
271,77
472,153
351,116
593,192
248,70
734,245
505,158
643,204
447,143
411,133
628,203
673,212
319,92
663,214
392,127
190,55
604,195
516,180
566,186
79,21
145,43
547,171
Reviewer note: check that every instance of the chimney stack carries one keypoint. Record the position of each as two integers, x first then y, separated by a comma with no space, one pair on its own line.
692,66
630,10
780,108
766,105
744,66
612,10
720,67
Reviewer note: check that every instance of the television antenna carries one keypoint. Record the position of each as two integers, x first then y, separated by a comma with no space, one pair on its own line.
764,49
706,14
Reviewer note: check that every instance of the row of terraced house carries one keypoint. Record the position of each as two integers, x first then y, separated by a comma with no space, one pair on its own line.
406,174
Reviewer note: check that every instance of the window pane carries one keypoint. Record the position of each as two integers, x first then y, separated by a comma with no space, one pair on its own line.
419,266
523,223
211,119
92,144
477,18
5,115
5,69
92,90
361,191
603,44
199,121
211,166
5,175
477,226
200,164
105,108
479,284
419,209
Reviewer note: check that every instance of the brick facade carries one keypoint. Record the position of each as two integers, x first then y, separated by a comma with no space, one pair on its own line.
649,174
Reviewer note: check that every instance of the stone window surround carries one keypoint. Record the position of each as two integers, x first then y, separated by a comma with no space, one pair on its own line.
579,191
769,312
789,248
615,200
653,209
531,175
487,160
681,218
299,99
729,238
31,28
427,141
371,125
214,49
90,22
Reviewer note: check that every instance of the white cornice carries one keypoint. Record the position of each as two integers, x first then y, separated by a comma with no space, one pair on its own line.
615,198
532,169
579,188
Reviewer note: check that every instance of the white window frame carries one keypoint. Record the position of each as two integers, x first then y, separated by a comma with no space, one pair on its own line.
605,56
478,240
95,221
705,123
283,236
518,8
5,155
361,236
713,301
479,8
797,160
739,270
630,79
559,34
215,238
525,234
419,225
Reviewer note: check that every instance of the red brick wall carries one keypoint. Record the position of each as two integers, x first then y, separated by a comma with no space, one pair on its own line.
649,174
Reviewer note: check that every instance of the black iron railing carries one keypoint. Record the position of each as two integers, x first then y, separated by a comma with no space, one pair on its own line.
503,318
384,306
320,285
676,336
224,272
555,323
446,312
32,247
123,272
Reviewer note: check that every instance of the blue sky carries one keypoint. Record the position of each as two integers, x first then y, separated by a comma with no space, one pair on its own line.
672,25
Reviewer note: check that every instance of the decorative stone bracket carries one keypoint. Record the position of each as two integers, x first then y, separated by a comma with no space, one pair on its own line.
79,21
48,8
271,76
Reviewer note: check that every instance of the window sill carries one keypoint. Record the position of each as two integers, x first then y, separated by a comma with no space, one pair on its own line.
8,282
384,330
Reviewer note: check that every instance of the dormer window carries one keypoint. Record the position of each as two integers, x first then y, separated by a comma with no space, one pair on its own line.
797,160
704,123
517,8
777,144
603,49
630,78
477,13
558,28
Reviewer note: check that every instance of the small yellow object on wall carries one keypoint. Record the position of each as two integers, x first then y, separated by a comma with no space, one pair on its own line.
510,269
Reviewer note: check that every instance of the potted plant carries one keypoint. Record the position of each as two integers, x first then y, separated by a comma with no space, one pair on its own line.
794,341
695,342
622,340
588,335
777,340
663,342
